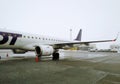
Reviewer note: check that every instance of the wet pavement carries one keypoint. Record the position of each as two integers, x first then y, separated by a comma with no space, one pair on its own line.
74,67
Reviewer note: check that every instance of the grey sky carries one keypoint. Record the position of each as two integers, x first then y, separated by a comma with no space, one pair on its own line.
99,19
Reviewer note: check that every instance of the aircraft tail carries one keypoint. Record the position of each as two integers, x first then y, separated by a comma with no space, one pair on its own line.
78,38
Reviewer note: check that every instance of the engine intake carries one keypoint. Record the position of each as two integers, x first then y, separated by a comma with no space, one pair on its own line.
44,50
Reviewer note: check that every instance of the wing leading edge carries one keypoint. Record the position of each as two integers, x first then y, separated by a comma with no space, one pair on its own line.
84,42
87,42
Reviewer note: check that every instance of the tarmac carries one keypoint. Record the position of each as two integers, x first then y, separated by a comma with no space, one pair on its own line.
73,68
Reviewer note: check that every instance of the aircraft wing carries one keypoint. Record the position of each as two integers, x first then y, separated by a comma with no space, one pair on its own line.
80,42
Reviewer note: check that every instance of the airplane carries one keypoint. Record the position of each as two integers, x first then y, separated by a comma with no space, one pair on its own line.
21,42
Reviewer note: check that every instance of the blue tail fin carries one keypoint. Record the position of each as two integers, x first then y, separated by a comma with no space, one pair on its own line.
78,38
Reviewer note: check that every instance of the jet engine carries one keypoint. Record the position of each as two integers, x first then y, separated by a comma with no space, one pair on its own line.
44,50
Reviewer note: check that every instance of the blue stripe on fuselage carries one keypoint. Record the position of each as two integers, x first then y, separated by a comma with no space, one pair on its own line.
6,35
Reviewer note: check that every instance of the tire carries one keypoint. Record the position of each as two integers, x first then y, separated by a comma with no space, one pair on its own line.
55,56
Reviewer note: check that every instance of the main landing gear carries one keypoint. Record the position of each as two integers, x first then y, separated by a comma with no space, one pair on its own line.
55,56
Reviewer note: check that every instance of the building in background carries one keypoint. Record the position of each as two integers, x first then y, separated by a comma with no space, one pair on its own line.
115,48
84,47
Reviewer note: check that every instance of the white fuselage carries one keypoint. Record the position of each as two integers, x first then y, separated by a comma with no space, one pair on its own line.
27,41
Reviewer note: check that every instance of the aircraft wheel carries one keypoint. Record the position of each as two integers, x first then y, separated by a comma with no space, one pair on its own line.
55,56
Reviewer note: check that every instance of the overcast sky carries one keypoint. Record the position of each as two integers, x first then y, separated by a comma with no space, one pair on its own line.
99,19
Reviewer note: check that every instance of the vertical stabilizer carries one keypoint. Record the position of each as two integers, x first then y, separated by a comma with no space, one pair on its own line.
78,38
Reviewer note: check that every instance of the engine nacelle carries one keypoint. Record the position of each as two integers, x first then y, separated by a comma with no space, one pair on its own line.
44,50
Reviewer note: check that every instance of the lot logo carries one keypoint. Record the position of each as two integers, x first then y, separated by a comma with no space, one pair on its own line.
6,38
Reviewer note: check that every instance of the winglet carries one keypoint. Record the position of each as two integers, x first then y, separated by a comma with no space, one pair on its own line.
116,37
